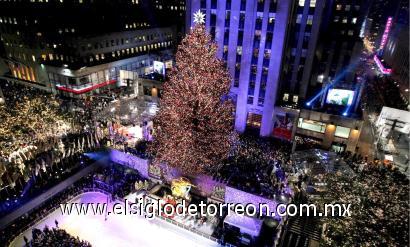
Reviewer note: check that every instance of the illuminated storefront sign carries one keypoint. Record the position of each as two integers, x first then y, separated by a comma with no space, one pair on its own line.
386,33
384,70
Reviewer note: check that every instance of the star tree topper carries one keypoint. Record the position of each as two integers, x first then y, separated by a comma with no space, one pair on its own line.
199,17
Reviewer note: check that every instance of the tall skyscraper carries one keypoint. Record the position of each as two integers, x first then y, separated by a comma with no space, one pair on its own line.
78,46
251,38
304,30
281,51
340,46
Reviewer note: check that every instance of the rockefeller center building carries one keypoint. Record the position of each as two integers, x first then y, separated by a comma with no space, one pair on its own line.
251,38
281,54
80,47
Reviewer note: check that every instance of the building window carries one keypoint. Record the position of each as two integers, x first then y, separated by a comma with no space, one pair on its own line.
309,20
342,132
301,3
227,18
213,4
228,4
338,7
243,5
239,50
320,78
272,6
311,125
203,4
260,5
312,3
254,120
261,101
250,100
241,20
298,18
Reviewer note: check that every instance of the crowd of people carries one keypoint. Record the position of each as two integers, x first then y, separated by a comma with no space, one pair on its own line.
379,196
41,180
28,219
55,237
383,91
256,166
260,166
117,179
114,179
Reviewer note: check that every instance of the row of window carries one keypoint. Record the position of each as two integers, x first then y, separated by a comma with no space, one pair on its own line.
347,7
100,76
23,72
260,5
118,53
122,41
312,3
135,25
181,9
15,21
256,43
8,20
345,19
309,20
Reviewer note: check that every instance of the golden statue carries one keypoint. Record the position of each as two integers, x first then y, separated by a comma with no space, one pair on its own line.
180,188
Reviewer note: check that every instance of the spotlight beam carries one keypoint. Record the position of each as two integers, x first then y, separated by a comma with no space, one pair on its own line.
335,81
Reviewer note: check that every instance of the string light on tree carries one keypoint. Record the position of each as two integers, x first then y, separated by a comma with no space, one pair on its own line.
194,127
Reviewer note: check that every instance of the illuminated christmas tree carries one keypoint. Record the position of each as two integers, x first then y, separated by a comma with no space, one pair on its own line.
193,129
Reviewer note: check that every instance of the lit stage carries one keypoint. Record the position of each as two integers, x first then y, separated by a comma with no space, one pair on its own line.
118,230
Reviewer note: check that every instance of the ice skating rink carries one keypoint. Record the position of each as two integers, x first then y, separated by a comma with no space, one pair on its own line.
118,230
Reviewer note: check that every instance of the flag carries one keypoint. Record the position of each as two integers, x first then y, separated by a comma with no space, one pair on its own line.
78,146
9,180
88,141
43,167
26,173
92,144
96,139
3,168
15,176
37,169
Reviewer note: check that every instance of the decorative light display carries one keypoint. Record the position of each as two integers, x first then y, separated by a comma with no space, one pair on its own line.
32,124
379,209
30,121
383,70
194,126
386,33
